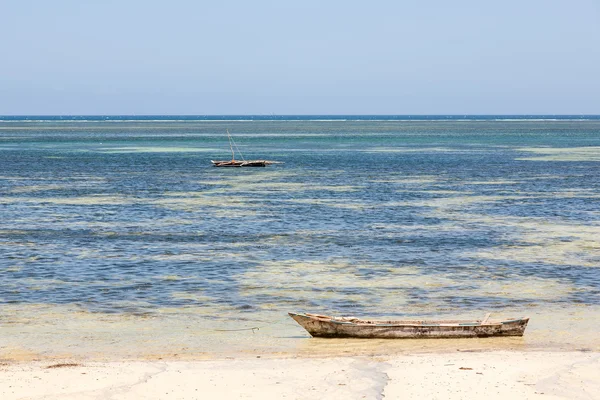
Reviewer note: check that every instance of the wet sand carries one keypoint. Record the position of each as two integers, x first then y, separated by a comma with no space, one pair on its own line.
448,375
49,332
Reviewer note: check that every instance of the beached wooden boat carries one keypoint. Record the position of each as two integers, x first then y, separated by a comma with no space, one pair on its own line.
243,163
349,327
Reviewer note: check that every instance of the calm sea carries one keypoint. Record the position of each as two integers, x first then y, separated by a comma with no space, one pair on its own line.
117,233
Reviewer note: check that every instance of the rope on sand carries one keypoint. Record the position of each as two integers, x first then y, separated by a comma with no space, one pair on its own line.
256,328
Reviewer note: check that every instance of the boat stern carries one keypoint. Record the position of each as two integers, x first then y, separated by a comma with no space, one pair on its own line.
514,327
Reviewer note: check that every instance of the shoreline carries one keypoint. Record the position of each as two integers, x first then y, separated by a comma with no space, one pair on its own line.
31,333
442,375
308,348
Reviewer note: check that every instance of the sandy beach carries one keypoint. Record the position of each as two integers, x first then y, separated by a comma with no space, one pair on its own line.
455,375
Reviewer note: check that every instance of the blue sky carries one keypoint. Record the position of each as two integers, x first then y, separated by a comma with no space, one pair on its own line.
299,57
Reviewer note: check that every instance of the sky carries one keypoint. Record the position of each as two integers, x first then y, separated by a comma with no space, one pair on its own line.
145,57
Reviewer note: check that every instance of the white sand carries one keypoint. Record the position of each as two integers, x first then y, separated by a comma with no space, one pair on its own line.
490,375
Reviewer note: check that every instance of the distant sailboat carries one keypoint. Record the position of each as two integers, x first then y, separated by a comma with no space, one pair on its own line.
243,162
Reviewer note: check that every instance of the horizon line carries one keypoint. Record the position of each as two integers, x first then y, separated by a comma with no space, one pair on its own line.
286,115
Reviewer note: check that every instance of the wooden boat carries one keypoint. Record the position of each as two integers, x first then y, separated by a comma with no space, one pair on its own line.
237,163
234,163
349,327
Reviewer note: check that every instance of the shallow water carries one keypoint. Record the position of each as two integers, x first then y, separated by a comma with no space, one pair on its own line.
120,238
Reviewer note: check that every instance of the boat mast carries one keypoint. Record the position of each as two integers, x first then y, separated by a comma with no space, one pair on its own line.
231,146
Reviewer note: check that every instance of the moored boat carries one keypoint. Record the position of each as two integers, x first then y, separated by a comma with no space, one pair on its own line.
235,163
243,163
350,327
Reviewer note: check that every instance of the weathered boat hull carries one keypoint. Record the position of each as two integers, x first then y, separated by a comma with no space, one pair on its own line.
328,327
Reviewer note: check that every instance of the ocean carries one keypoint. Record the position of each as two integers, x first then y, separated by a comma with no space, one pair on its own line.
119,239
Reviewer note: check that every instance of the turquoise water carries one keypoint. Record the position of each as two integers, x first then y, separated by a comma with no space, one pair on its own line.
365,217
